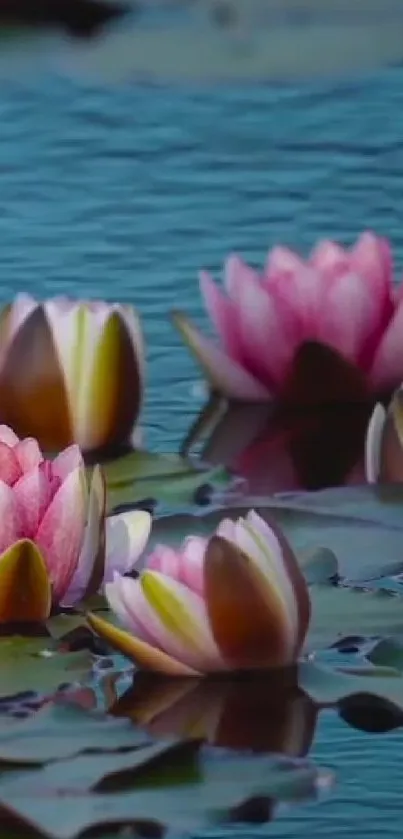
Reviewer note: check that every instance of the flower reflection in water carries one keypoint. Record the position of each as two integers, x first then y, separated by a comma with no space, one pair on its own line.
311,440
264,713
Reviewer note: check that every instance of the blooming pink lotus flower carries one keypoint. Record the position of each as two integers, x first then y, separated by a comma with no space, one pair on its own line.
339,298
384,442
71,371
55,545
237,601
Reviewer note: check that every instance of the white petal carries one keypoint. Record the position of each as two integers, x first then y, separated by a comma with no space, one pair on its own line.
127,535
76,332
373,443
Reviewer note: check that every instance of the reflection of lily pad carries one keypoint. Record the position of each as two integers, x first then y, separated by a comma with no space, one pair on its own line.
169,478
33,664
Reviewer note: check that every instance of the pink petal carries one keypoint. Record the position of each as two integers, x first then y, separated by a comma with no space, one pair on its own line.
61,532
33,494
222,314
23,306
10,469
68,460
223,374
7,436
192,563
282,260
301,294
329,258
127,535
113,594
28,453
349,316
10,530
166,560
269,331
387,368
184,565
238,273
372,258
92,542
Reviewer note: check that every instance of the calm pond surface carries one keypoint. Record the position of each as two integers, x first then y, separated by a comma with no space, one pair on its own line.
125,193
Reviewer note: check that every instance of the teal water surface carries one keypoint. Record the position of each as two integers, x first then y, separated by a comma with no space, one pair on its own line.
125,193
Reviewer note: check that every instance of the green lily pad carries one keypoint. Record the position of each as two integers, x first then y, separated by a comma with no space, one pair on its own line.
90,771
60,730
339,611
362,527
387,653
212,795
335,686
34,664
318,564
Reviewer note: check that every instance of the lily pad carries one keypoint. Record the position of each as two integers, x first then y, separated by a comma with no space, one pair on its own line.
331,687
218,786
34,664
91,771
363,527
339,611
60,730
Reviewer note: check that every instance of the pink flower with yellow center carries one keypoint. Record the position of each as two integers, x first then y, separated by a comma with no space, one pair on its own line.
236,601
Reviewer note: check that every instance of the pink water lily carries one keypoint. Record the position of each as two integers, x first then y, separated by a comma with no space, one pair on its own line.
384,442
236,601
340,298
56,546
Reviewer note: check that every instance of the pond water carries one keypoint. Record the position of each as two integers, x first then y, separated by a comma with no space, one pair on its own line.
126,192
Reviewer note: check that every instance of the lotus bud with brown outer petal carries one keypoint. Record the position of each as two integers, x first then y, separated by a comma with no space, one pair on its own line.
71,372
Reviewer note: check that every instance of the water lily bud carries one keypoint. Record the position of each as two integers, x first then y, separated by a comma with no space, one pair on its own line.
71,372
236,601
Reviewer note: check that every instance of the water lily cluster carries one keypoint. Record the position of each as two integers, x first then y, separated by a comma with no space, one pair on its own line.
71,383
